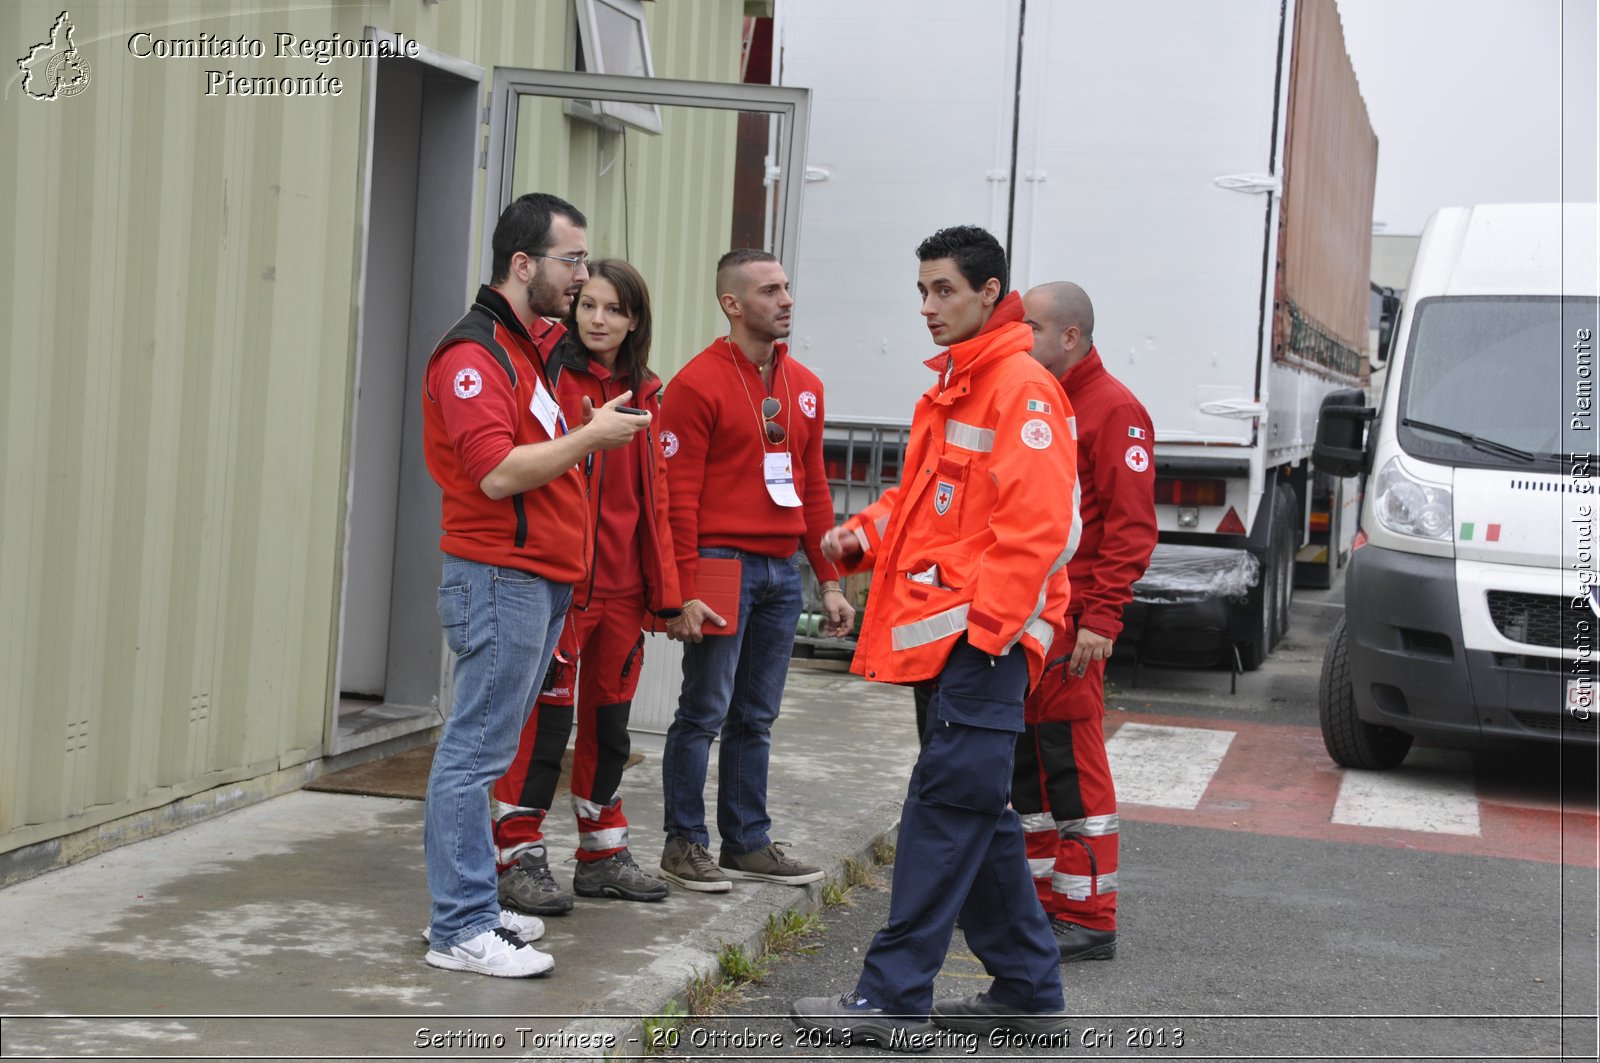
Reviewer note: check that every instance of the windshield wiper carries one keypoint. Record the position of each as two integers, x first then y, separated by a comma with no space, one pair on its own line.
1477,442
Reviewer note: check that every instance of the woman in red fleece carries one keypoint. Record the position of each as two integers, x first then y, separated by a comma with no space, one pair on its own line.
633,575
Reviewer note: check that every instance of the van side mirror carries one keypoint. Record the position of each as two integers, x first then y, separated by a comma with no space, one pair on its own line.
1341,446
1388,313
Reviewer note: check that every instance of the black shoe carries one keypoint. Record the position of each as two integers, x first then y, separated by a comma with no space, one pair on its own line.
1080,943
849,1019
979,1014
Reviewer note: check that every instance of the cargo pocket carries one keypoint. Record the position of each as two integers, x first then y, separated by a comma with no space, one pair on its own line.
976,712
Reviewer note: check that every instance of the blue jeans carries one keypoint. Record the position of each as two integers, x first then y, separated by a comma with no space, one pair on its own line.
733,684
502,625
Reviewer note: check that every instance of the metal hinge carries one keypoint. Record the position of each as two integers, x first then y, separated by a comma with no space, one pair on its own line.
1249,182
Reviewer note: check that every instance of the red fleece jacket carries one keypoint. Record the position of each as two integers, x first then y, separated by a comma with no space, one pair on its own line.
714,439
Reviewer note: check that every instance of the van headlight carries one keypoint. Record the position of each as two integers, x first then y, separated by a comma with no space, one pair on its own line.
1407,506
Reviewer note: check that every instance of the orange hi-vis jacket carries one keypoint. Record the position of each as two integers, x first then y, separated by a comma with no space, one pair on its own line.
976,537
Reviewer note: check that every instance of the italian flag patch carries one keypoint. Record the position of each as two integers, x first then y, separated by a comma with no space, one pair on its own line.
1135,432
1491,532
1038,406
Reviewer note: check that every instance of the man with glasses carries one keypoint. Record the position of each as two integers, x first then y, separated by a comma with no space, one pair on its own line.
506,461
742,434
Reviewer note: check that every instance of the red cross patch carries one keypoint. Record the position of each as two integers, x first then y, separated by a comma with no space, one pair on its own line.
468,383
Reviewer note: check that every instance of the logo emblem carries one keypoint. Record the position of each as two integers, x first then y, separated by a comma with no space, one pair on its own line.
468,383
54,69
808,404
1137,457
943,495
669,444
1037,434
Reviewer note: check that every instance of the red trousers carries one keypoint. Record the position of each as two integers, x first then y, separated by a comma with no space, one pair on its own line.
1062,789
608,641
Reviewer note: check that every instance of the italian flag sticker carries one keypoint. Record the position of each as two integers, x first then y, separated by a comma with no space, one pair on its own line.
1491,532
1036,406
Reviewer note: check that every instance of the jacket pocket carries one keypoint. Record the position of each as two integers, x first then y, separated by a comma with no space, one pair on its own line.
949,490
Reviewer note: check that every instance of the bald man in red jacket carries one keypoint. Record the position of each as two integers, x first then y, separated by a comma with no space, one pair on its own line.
1062,785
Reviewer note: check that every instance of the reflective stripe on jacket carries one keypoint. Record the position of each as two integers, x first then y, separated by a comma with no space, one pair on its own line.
975,539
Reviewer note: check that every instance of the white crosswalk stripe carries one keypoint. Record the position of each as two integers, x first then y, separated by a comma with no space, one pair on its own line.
1426,800
1168,767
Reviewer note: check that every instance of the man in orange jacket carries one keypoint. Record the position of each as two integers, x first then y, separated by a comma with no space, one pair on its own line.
1063,788
968,557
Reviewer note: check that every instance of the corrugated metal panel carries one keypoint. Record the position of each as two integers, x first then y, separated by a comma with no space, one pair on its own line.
177,304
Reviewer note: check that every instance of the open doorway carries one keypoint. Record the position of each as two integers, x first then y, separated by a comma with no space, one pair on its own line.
415,281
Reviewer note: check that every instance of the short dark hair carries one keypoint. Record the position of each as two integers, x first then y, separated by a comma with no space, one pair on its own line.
737,259
633,357
975,251
525,226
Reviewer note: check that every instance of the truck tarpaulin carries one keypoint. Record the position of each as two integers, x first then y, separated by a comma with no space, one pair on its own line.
1325,235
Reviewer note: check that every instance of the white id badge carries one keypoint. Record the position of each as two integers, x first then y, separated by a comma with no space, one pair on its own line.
779,471
545,409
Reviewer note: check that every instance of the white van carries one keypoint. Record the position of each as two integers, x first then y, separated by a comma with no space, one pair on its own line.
1470,598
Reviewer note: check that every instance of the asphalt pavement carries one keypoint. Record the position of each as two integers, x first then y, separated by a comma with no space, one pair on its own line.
289,929
1240,940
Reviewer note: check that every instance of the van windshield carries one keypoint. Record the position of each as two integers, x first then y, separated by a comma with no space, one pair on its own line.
1502,382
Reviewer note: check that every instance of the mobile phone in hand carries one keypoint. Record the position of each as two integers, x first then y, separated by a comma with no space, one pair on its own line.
630,409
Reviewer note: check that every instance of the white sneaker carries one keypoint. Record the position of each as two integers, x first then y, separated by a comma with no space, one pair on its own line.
526,927
498,953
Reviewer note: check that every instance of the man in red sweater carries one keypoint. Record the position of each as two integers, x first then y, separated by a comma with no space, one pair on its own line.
741,428
1062,787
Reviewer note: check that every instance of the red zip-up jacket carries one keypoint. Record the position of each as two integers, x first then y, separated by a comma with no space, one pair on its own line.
636,468
479,384
1116,483
713,437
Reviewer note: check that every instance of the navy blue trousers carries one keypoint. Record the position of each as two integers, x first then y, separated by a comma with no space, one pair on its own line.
961,852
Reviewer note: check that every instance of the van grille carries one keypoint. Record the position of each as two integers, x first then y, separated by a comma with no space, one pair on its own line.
1531,619
1550,723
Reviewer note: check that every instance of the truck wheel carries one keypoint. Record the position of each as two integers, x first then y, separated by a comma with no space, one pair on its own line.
1283,549
1268,603
1350,740
1261,609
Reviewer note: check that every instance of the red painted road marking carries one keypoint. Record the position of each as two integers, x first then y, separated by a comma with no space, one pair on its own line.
1278,780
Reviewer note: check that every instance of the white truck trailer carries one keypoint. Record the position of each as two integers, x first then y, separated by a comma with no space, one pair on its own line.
1204,170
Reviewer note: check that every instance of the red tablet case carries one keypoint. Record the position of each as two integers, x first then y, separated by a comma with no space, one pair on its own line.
719,580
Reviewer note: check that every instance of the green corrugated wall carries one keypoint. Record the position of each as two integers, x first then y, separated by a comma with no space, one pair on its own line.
178,308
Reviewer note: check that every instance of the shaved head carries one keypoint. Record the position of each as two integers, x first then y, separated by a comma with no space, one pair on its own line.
1062,319
1067,304
731,274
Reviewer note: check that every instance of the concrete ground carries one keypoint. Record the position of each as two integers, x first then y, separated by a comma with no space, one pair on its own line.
290,929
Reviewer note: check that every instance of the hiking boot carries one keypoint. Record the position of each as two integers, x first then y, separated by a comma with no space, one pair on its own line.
617,876
849,1019
689,864
528,886
1080,943
981,1015
498,953
526,927
771,864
